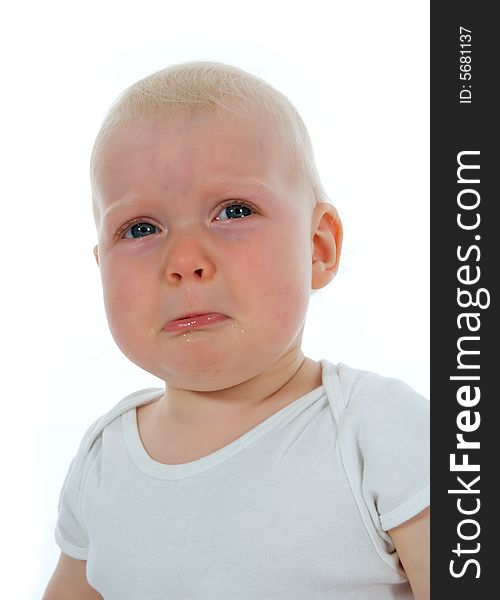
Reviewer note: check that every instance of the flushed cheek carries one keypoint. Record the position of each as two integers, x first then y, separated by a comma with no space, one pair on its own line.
290,307
127,300
276,293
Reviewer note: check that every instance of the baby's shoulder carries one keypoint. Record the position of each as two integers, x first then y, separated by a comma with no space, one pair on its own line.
94,432
385,422
89,450
366,394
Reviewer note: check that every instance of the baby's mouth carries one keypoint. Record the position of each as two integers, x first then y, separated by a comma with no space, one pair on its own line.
195,321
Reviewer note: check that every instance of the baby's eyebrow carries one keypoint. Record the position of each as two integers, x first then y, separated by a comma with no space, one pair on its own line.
121,205
134,202
247,182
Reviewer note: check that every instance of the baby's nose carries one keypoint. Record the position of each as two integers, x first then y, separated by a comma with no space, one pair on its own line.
188,259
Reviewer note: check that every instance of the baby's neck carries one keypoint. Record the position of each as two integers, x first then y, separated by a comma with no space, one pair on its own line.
277,388
177,441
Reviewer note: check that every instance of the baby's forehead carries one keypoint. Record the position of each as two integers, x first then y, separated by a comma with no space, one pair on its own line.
218,145
183,127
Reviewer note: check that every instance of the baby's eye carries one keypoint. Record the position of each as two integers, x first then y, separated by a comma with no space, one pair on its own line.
236,210
139,229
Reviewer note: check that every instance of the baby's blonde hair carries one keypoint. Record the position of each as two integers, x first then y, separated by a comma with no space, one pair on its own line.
208,86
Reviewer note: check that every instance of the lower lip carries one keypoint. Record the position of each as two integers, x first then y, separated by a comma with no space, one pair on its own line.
195,322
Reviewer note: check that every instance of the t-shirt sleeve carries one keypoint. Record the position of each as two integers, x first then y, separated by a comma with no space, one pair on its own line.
394,441
387,425
70,532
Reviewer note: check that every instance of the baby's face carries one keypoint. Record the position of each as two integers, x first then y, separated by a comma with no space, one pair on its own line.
171,244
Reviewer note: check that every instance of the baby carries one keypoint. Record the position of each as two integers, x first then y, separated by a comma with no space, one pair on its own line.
256,472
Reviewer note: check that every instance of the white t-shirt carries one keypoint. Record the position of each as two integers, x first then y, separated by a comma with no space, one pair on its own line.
298,507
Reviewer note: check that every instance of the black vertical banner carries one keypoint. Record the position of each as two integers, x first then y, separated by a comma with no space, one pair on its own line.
465,270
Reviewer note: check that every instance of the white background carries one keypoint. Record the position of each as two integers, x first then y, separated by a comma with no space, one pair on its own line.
358,72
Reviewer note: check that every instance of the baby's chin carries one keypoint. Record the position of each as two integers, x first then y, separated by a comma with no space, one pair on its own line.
212,371
205,370
217,357
204,376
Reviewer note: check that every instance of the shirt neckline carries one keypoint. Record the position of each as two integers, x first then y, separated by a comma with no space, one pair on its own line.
159,470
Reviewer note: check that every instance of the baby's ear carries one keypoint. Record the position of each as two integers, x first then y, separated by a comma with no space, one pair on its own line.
96,254
326,244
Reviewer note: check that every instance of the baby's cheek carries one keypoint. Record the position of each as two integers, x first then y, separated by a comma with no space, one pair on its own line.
124,301
291,306
294,288
283,295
